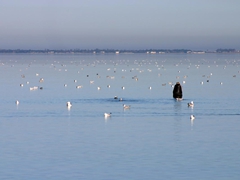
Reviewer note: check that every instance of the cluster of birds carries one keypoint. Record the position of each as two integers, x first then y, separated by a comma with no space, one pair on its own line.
125,106
191,104
106,115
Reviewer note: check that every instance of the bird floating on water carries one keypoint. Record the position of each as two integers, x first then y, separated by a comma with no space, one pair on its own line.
78,87
69,104
17,102
192,117
126,106
191,104
107,115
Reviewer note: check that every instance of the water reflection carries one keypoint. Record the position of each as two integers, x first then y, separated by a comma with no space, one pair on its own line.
192,122
177,107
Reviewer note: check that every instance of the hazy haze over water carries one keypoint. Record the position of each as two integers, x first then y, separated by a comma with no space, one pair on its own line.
119,24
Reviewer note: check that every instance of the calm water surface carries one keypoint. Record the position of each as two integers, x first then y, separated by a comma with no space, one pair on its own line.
155,139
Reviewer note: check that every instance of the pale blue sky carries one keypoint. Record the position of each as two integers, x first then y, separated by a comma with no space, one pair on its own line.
119,24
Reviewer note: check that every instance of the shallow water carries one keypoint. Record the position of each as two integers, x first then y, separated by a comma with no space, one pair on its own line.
155,139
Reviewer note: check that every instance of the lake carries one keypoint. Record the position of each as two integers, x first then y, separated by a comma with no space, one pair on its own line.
41,138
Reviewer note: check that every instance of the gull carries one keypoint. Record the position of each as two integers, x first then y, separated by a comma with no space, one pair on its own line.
79,87
191,104
41,80
98,88
17,102
107,115
192,117
69,104
33,88
126,106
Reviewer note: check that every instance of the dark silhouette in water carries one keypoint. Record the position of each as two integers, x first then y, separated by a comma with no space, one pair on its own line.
177,91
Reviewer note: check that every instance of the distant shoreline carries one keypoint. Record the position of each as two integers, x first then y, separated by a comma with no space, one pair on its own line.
113,51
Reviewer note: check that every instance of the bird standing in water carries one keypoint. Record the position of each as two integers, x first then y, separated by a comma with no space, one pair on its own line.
177,91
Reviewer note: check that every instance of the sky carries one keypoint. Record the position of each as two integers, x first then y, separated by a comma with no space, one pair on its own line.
120,24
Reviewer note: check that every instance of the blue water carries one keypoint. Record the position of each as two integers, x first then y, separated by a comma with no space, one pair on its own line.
155,139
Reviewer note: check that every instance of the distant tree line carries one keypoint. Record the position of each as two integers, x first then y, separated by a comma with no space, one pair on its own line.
225,50
102,51
93,51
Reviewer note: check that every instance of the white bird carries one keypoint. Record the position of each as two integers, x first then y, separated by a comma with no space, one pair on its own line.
191,104
69,104
33,88
107,115
79,87
123,87
126,106
98,88
41,80
17,102
192,117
